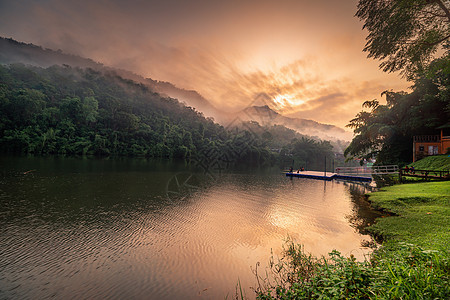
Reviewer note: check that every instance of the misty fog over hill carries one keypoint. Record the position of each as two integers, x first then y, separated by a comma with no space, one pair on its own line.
12,51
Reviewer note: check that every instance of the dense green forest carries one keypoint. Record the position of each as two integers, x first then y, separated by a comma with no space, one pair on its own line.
73,111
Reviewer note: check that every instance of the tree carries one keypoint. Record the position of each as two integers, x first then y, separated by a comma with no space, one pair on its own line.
385,132
406,35
90,109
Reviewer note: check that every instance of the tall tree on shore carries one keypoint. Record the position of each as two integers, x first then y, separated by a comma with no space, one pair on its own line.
385,132
413,37
406,35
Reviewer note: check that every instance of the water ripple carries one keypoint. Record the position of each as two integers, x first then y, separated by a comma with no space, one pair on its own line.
116,235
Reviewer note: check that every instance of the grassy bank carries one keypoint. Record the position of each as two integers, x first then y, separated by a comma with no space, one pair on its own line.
423,214
437,162
413,263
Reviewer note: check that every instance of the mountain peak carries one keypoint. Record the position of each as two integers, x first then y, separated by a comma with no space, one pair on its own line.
266,116
261,109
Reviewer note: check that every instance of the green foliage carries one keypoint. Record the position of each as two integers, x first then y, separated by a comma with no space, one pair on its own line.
411,36
386,131
405,34
406,271
396,271
73,111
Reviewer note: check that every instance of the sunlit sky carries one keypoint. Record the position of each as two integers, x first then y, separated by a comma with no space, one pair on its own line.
304,55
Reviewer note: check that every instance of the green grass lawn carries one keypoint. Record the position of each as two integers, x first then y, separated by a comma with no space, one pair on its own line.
422,214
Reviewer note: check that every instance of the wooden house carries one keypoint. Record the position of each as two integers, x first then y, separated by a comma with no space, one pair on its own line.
426,145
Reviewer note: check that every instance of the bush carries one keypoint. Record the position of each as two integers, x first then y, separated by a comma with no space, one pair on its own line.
395,271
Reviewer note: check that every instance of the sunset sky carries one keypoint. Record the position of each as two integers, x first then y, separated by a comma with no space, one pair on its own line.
304,55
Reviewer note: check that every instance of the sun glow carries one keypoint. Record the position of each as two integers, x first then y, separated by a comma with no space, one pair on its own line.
286,101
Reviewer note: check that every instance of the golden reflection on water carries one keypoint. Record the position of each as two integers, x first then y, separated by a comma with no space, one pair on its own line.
217,234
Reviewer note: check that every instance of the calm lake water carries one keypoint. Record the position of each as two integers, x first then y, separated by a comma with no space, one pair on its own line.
140,229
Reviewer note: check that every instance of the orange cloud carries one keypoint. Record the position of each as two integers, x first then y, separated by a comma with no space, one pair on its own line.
306,56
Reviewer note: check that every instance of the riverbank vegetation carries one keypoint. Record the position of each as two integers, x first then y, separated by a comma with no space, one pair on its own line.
72,111
396,271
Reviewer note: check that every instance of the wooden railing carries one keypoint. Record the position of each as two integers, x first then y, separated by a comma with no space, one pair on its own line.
426,174
374,170
427,138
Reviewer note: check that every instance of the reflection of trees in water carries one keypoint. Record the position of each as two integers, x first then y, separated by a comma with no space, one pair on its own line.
363,215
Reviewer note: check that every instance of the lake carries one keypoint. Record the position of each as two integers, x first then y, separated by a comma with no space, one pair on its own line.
145,229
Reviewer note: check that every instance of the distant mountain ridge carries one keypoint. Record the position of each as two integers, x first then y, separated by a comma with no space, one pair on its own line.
266,116
189,97
12,51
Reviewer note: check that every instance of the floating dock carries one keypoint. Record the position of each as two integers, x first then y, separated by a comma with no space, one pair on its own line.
327,176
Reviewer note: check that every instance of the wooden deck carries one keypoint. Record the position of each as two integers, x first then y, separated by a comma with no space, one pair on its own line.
328,176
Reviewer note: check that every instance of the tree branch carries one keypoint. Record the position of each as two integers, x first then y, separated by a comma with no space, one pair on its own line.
437,42
443,7
435,15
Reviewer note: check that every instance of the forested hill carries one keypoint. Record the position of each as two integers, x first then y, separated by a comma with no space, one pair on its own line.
74,111
12,51
65,104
